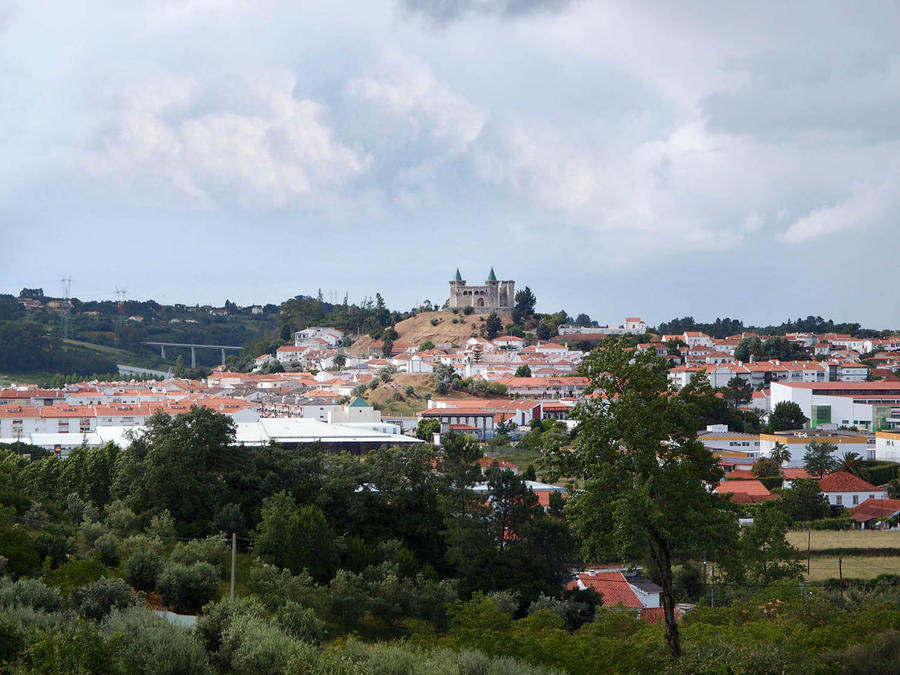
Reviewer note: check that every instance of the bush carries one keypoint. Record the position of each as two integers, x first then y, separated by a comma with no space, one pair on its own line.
216,618
435,322
142,569
300,622
212,550
186,588
255,646
91,530
107,546
150,644
69,647
467,310
94,602
879,656
120,518
19,551
162,525
831,524
52,547
29,593
76,573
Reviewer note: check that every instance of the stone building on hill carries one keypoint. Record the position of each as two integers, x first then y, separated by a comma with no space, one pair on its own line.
494,296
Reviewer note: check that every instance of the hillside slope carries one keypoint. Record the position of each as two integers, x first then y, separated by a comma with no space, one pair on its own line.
418,329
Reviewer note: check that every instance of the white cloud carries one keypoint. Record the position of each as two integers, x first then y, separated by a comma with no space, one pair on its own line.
867,206
428,107
268,150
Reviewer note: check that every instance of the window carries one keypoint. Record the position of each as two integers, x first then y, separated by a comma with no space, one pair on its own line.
855,500
840,500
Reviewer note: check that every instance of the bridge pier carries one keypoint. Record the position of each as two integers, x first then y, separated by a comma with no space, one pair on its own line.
223,357
193,357
162,352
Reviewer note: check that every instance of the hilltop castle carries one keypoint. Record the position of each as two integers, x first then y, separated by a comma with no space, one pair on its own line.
494,296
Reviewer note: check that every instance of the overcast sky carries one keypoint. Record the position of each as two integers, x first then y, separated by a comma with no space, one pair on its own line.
655,159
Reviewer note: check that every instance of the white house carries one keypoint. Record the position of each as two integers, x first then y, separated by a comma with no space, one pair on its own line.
845,489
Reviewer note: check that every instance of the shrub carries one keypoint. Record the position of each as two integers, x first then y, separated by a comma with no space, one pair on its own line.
149,644
91,530
467,310
255,646
142,569
70,647
107,546
120,518
94,602
186,588
216,618
18,550
29,593
435,322
300,622
52,547
212,550
162,525
76,573
831,524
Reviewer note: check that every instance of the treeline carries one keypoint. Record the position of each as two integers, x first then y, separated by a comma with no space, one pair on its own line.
721,328
28,347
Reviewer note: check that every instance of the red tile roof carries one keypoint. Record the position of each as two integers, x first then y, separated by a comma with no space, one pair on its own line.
841,481
874,508
613,587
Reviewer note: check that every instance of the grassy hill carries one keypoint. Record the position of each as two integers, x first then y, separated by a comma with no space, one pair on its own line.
439,327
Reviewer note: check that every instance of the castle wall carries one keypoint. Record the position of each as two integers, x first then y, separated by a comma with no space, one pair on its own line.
494,296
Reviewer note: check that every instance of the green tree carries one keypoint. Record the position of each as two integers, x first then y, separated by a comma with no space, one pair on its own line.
646,493
176,465
493,326
852,463
804,502
819,458
179,366
286,333
748,347
524,307
309,544
340,360
780,453
426,428
737,392
765,553
787,415
766,467
523,371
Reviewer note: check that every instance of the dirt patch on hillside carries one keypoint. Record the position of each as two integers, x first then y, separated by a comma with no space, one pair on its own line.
435,326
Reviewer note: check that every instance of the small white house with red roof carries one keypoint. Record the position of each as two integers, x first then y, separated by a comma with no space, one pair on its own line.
844,489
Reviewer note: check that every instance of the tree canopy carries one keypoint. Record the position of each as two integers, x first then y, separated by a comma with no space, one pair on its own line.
646,493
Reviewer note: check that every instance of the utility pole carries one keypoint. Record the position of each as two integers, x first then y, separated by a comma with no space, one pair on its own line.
808,546
841,575
67,306
712,585
233,562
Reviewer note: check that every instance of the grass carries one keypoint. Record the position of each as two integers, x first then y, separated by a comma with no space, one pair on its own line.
825,539
518,456
854,567
103,349
7,379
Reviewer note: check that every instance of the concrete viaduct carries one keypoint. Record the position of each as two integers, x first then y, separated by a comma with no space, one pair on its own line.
162,349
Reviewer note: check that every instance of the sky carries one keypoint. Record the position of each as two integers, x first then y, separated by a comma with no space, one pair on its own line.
630,158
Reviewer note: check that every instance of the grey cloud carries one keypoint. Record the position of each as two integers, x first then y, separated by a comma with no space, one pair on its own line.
788,94
447,11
